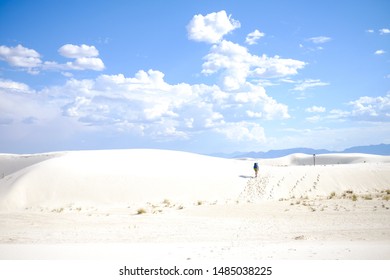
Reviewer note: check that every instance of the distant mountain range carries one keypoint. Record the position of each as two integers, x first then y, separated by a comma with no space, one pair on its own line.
381,149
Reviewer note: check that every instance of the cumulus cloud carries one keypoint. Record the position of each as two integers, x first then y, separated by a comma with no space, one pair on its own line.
309,83
316,109
20,56
147,106
366,109
144,104
319,39
74,51
21,105
10,86
87,63
371,108
253,37
243,131
380,52
85,58
384,31
212,27
236,64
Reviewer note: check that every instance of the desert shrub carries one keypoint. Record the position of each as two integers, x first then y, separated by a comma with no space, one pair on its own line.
367,197
166,202
332,195
58,210
141,211
386,197
354,197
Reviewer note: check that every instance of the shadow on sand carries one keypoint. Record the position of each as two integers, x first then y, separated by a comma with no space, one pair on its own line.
246,176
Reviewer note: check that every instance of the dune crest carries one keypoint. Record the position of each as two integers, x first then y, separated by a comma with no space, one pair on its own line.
129,177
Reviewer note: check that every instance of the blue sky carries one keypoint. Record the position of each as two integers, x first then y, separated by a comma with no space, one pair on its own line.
199,76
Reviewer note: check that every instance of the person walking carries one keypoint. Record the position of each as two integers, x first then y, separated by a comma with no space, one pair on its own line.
256,168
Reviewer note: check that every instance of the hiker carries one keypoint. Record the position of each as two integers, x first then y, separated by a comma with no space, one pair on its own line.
256,168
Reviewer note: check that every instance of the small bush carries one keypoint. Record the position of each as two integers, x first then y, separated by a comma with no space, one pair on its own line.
332,195
141,211
386,197
58,210
354,197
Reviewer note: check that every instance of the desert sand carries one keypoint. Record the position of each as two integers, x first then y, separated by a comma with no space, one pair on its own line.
158,204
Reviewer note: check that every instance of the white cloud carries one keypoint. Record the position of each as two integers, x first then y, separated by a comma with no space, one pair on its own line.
232,59
211,28
338,115
243,131
19,104
371,108
370,31
380,52
85,58
319,39
316,109
366,109
74,51
87,63
9,85
253,37
144,105
236,64
255,103
314,119
309,83
276,67
384,31
20,56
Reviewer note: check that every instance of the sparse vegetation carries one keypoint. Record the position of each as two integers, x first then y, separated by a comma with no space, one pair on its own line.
141,211
367,197
332,195
167,202
300,237
354,197
58,210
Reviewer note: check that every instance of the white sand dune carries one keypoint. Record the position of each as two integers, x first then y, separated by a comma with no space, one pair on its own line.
204,206
139,176
118,176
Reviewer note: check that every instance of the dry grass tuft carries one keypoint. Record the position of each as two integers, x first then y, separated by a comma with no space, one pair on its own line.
141,211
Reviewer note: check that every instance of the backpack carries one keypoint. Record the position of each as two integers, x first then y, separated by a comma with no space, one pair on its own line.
256,166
